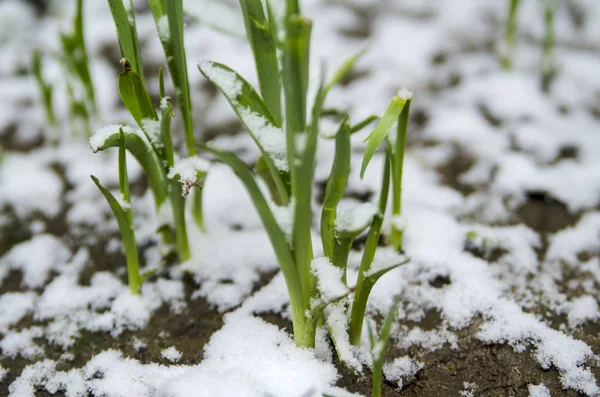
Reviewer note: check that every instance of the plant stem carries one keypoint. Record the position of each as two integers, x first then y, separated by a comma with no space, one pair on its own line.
548,69
510,34
133,267
363,284
397,170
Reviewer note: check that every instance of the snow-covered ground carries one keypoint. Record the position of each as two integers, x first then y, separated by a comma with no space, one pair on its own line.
479,258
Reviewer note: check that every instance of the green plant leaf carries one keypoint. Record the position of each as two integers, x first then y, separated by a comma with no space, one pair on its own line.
134,95
262,41
383,127
336,187
344,69
295,61
139,146
257,120
378,349
363,284
46,89
128,237
124,19
276,235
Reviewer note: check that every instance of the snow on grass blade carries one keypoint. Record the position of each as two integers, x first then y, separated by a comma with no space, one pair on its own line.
384,126
262,41
122,212
257,120
124,19
336,186
46,88
349,224
378,345
139,146
397,167
177,200
363,286
302,330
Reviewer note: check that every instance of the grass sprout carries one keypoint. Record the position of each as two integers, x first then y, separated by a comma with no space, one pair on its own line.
121,209
287,163
378,344
168,18
46,88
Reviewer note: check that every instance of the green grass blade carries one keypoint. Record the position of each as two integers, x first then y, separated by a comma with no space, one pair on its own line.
139,146
124,19
342,72
276,236
383,127
302,187
296,48
363,284
136,99
510,34
176,199
378,351
336,186
262,42
76,56
128,237
257,120
362,124
178,67
397,172
46,89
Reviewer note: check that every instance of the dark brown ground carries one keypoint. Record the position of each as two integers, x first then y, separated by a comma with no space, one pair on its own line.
496,369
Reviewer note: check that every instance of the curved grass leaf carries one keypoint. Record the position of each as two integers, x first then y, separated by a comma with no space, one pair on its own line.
276,235
128,237
262,41
138,145
363,284
134,95
382,129
126,31
336,186
342,72
46,89
256,117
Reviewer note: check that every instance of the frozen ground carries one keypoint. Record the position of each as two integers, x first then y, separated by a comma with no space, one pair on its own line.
501,199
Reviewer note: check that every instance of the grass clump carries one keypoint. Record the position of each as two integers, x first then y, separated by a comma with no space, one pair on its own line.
281,187
170,178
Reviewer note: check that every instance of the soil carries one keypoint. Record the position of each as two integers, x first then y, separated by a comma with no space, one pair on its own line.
496,369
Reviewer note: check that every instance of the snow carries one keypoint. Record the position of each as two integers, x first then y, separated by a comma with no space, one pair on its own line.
225,79
163,29
329,279
29,186
20,343
401,369
171,354
538,391
188,171
269,137
354,218
35,258
14,306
